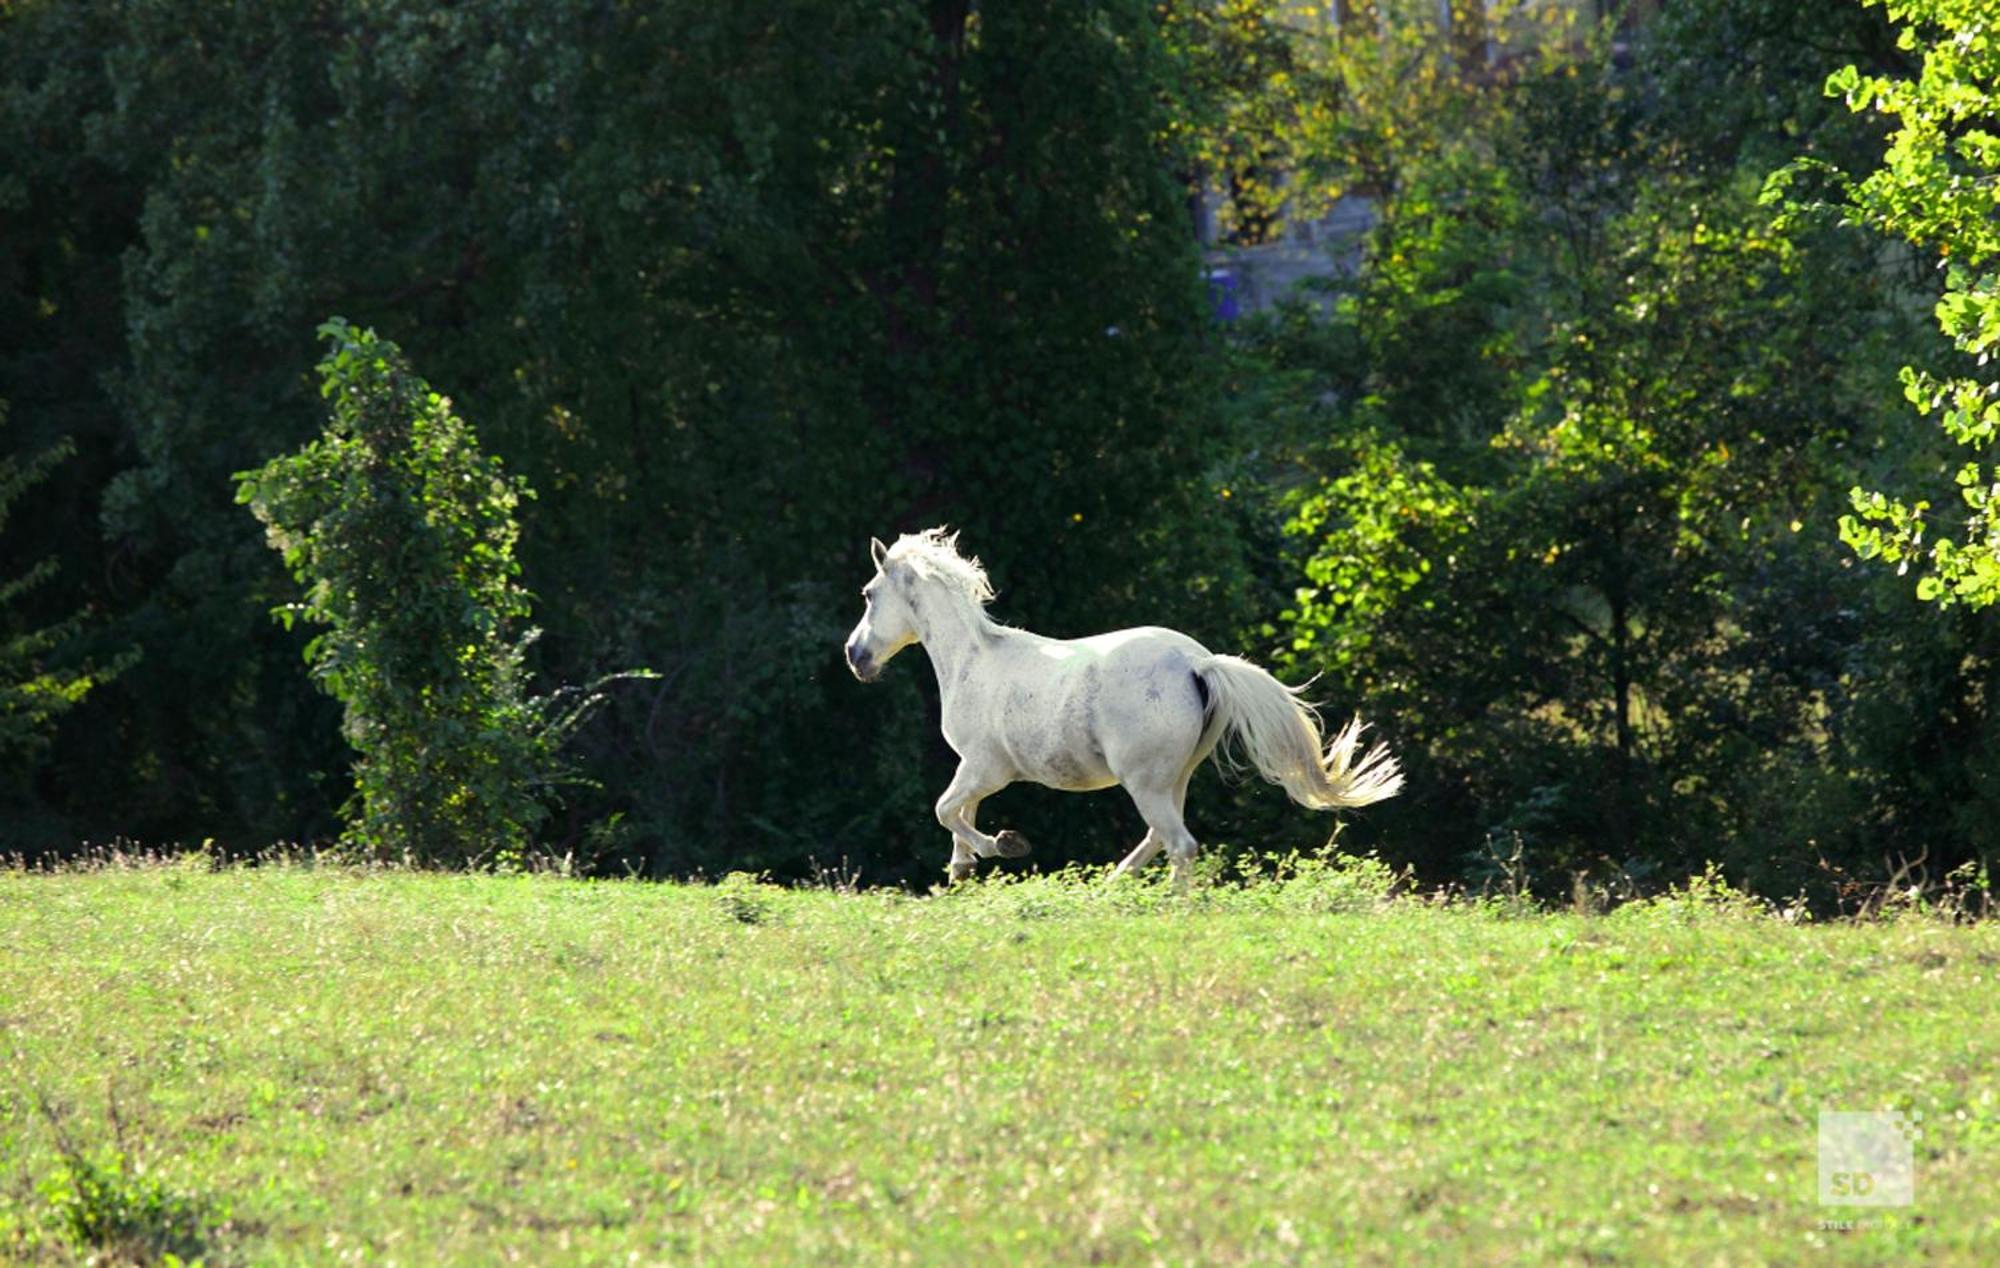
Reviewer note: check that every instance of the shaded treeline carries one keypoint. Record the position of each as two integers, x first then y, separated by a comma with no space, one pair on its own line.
734,287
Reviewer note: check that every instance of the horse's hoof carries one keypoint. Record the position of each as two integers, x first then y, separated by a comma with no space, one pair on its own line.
958,872
1011,845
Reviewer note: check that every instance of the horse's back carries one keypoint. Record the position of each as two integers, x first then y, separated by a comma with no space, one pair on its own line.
1144,644
1075,713
1151,697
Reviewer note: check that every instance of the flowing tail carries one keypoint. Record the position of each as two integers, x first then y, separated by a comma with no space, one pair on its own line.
1263,719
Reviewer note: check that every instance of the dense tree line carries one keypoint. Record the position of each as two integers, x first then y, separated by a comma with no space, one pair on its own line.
732,287
1597,578
1549,487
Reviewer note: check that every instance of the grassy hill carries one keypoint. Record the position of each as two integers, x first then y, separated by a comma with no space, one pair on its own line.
298,1064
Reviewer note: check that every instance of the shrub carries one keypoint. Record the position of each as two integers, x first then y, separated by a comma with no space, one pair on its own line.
402,533
110,1206
745,898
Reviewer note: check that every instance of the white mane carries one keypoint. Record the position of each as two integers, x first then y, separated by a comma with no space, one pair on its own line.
933,556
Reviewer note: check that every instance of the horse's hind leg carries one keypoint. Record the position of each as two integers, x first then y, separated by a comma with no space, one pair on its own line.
1153,842
1141,854
1161,810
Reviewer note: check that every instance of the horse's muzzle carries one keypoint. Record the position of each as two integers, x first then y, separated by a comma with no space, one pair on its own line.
863,665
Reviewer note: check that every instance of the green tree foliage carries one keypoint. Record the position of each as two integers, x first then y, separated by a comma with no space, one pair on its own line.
734,287
1743,81
1556,459
36,687
1938,187
402,533
1237,103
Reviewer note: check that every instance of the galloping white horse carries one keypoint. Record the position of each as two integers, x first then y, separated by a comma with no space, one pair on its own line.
1139,707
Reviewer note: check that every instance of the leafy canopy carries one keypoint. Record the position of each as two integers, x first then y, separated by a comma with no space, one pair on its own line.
1939,188
35,690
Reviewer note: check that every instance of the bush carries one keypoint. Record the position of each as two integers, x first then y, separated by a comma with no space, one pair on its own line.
111,1206
402,534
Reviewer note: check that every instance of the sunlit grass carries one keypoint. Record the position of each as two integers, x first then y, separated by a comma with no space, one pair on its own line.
412,1068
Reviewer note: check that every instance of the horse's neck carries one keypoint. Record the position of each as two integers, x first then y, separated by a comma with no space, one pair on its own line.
955,637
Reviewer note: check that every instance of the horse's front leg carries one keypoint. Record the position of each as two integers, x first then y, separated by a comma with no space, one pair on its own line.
957,810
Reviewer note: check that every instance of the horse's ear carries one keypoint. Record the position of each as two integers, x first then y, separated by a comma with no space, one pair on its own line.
877,550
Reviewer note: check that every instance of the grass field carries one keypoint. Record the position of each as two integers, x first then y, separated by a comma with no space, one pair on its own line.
317,1065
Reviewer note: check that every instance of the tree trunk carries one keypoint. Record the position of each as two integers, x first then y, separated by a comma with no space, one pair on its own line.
1619,598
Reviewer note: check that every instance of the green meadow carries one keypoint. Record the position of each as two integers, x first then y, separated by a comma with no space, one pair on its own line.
299,1064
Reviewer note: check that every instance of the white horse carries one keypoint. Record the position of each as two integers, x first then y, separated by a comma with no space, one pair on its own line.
1139,707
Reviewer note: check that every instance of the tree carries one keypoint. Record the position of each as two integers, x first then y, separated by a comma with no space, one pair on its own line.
1574,422
1939,188
744,286
36,687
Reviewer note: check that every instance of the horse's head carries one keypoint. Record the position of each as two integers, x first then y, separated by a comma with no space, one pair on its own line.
888,623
